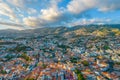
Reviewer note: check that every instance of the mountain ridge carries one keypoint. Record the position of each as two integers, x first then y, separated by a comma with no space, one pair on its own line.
76,30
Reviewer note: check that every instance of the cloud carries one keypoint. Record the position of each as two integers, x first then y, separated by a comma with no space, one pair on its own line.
54,15
7,11
31,21
17,3
13,25
49,14
78,6
46,16
89,21
32,11
109,5
42,13
21,3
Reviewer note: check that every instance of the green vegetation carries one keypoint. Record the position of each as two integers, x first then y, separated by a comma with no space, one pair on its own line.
26,65
85,63
24,56
98,48
44,65
3,72
79,74
73,59
63,46
20,48
30,79
118,63
106,47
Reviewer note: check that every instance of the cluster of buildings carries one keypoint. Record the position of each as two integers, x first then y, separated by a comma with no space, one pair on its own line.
56,58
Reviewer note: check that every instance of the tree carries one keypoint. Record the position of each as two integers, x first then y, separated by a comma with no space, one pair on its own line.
85,63
79,74
73,60
3,72
106,47
24,56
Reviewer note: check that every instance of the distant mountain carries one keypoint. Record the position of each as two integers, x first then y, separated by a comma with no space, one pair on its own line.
65,31
8,31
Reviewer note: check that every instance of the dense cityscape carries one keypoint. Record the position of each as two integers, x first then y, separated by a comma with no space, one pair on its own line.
78,53
59,39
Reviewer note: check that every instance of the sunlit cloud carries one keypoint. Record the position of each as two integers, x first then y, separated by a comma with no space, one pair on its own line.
47,13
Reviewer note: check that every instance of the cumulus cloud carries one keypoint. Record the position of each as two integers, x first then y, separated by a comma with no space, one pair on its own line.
40,13
31,21
78,6
53,15
46,16
49,14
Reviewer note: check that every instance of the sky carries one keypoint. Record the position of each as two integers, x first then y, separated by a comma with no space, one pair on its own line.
32,14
